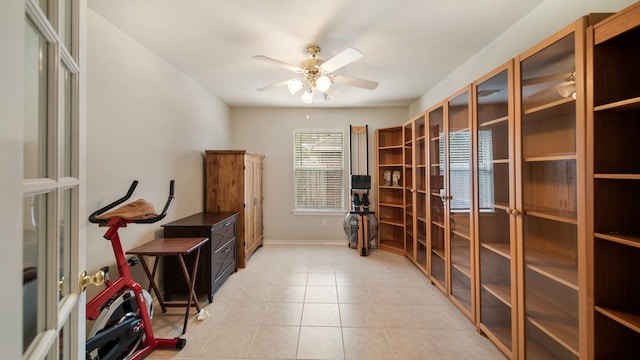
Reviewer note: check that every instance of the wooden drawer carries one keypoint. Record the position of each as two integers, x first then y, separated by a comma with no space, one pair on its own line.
217,256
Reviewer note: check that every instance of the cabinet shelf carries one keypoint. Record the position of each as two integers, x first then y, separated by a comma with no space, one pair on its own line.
620,239
551,157
494,121
554,322
617,176
391,147
558,270
627,104
569,217
630,319
439,253
392,205
566,334
438,224
501,249
501,292
394,222
565,106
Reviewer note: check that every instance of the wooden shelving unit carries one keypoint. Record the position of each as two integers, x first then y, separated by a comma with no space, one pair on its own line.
389,144
522,191
613,133
415,191
495,221
551,200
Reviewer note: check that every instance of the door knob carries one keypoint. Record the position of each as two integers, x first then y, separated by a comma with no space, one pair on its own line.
97,279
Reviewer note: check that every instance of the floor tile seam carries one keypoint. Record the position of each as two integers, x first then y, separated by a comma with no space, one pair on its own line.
204,343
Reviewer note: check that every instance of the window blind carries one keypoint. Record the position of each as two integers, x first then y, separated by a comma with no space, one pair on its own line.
318,170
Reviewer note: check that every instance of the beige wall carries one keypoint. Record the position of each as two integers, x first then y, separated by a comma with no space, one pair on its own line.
543,21
269,131
146,121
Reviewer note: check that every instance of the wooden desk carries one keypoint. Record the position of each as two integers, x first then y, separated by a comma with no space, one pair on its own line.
172,247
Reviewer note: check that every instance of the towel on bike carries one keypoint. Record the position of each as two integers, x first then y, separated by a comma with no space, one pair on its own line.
136,210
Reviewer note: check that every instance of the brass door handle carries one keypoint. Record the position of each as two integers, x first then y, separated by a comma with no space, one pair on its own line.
97,279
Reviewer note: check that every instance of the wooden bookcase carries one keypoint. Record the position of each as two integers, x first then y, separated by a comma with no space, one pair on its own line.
531,191
389,143
551,200
415,191
613,133
494,210
450,239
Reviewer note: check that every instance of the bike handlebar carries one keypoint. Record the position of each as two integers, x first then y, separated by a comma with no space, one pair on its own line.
134,184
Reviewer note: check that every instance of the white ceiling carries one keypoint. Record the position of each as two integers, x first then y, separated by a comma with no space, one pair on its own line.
408,45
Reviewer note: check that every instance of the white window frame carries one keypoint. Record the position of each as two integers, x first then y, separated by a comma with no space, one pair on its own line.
305,210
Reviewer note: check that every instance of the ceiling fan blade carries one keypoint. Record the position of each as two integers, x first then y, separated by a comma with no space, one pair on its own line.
547,78
346,57
269,87
278,62
351,81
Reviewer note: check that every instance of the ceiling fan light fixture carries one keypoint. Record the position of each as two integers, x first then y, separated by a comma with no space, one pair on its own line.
294,85
323,83
307,97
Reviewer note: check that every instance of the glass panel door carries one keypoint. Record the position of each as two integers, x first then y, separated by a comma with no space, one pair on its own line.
460,195
51,185
420,192
549,200
436,173
495,225
407,182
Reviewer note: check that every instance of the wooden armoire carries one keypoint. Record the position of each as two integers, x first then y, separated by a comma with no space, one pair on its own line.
233,182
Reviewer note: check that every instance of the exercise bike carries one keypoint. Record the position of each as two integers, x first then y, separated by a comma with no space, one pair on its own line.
122,310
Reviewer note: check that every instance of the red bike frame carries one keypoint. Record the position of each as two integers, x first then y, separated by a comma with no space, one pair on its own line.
125,281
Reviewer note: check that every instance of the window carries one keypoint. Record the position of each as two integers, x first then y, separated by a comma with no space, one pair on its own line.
318,170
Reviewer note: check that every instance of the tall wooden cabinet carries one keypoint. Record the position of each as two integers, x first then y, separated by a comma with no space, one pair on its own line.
233,183
614,185
495,230
451,198
415,191
551,209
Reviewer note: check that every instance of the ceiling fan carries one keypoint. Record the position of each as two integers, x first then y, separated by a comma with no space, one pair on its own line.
564,84
315,74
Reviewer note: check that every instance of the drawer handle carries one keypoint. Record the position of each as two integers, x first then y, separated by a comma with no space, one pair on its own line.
227,224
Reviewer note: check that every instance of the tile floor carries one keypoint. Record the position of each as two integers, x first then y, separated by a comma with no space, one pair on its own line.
325,302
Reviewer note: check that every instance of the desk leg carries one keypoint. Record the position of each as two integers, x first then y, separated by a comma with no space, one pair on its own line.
191,280
152,282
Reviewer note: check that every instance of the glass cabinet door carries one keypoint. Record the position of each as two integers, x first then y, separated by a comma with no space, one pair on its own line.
495,225
459,196
436,173
407,182
420,192
549,198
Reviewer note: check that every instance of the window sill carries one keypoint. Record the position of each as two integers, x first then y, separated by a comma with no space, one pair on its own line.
335,212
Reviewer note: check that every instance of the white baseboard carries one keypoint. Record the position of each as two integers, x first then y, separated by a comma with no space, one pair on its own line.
305,242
